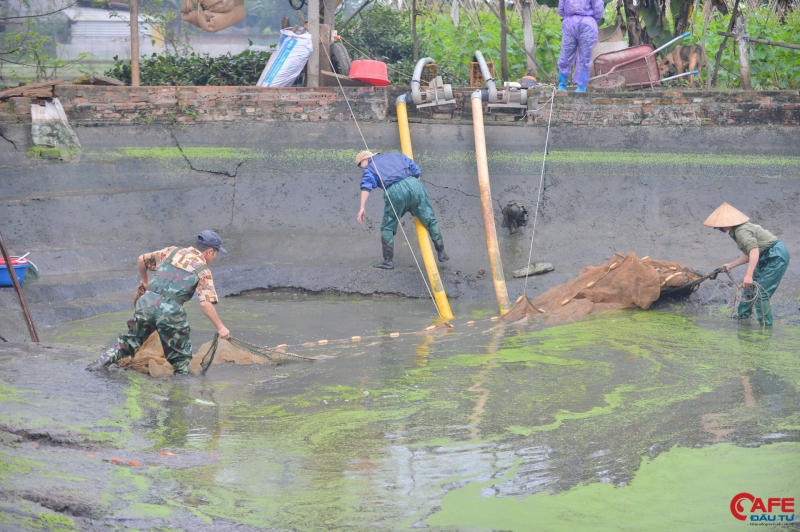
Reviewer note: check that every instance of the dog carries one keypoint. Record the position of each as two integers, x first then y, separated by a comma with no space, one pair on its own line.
684,59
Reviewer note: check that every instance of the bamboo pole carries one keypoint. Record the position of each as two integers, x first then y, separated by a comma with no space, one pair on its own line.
503,42
134,43
744,63
18,289
527,35
312,67
763,41
722,46
437,287
486,203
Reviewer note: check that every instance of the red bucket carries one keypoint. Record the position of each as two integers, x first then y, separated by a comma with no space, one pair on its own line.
369,71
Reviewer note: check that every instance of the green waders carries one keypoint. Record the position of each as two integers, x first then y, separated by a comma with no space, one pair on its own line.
769,271
408,195
161,309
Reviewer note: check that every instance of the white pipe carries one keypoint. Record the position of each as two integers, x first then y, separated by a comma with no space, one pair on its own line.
490,85
416,97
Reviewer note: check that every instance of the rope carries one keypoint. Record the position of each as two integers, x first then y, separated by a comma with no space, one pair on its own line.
385,192
748,295
541,182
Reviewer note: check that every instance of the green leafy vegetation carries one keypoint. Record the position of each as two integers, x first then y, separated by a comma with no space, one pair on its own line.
195,69
771,67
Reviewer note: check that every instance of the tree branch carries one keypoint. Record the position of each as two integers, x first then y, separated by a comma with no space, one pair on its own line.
40,14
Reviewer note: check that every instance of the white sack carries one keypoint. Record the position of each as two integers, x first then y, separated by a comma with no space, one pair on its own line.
287,61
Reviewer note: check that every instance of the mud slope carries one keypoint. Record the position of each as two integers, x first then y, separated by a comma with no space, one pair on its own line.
285,196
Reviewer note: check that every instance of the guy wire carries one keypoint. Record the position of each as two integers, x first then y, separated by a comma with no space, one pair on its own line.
399,224
541,182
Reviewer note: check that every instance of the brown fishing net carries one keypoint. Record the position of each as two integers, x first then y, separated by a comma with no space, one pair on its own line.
625,281
150,357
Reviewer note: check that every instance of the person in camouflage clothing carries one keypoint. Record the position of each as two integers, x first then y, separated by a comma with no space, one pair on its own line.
178,273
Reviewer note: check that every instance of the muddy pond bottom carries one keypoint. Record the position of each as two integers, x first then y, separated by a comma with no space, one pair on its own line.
624,421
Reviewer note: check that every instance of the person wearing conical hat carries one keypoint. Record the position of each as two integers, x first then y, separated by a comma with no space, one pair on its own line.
390,172
765,255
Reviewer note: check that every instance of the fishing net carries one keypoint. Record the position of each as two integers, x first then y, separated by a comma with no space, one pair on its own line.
150,357
625,281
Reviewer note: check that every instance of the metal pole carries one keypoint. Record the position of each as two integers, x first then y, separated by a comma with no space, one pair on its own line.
134,43
312,68
486,202
422,234
13,275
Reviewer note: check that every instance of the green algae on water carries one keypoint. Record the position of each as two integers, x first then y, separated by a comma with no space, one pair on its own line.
683,489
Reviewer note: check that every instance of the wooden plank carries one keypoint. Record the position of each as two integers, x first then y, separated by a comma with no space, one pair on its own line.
19,91
329,79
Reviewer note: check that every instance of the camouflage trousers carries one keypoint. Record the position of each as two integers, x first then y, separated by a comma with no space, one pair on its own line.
157,313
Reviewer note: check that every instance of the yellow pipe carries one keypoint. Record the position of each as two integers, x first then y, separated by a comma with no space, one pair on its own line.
422,233
486,202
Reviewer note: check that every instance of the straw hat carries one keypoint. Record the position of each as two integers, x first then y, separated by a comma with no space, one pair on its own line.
726,216
364,155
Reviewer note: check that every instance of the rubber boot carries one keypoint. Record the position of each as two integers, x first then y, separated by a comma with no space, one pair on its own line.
581,88
439,246
105,360
388,255
562,82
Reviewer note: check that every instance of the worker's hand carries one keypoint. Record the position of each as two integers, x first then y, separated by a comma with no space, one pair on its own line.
727,266
223,332
361,214
142,288
747,282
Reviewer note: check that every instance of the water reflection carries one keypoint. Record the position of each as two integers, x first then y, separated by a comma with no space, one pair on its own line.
376,436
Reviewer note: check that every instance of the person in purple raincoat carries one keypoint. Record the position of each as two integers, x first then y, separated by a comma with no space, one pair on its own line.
578,37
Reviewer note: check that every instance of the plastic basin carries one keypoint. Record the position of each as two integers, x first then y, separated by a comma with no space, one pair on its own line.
369,71
20,267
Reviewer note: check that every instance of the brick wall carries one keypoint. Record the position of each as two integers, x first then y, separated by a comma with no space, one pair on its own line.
94,105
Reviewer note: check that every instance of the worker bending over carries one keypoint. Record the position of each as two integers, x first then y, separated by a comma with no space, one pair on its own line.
766,257
390,172
178,273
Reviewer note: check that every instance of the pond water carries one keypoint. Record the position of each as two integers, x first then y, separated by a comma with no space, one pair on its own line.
629,420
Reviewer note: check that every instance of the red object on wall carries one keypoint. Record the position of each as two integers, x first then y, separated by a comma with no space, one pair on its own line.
637,64
369,71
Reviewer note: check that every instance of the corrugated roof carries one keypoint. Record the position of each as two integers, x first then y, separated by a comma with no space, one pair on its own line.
93,14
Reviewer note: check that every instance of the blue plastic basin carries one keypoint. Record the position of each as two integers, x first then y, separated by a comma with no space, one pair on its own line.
20,269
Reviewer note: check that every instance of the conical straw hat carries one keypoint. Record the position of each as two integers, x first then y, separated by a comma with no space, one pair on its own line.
726,216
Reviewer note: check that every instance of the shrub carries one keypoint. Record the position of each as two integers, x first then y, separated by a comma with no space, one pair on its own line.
194,69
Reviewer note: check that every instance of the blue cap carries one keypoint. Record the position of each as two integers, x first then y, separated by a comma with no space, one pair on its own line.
211,239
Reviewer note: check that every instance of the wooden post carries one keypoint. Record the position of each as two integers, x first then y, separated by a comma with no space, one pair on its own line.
503,43
744,64
134,43
527,34
414,37
312,68
13,275
722,46
330,14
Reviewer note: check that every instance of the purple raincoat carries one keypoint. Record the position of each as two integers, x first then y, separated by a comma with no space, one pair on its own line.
578,36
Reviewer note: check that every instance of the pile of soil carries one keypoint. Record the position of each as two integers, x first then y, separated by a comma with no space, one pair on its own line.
624,282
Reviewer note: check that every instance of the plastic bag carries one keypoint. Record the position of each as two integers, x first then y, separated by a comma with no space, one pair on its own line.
50,128
288,61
